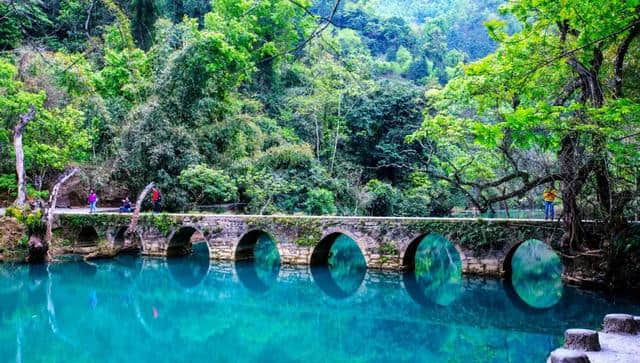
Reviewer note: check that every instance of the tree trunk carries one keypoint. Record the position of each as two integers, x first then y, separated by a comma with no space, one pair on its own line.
571,214
17,145
136,214
53,200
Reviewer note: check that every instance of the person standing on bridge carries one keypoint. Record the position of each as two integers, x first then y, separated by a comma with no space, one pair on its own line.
549,195
155,200
92,200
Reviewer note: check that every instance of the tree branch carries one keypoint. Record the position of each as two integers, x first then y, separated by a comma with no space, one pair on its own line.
619,61
319,29
53,200
136,213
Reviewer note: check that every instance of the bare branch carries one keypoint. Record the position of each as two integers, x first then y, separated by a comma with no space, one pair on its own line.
136,213
53,200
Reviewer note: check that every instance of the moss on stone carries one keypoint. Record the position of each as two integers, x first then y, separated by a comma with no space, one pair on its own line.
79,221
388,249
483,235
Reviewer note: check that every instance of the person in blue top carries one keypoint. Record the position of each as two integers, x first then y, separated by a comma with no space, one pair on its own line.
126,206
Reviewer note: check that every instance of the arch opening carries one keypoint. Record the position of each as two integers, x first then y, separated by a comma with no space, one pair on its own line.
88,236
338,266
180,242
507,267
434,270
257,261
118,238
534,272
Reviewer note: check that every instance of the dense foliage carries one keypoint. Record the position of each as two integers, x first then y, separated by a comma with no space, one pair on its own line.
273,105
350,107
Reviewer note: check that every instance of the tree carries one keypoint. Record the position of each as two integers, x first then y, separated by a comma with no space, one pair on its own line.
539,111
55,136
19,151
144,17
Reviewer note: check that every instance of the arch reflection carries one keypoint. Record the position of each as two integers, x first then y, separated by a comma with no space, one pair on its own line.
132,264
189,271
338,266
437,271
258,261
536,274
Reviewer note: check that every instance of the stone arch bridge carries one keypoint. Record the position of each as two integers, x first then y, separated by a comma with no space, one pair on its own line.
485,246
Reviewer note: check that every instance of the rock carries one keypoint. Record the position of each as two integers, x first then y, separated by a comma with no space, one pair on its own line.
567,356
581,339
619,324
37,249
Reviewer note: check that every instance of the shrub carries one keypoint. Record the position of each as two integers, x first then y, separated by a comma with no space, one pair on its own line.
287,157
320,202
206,185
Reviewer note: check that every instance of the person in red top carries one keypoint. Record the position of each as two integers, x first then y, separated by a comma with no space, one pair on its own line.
155,200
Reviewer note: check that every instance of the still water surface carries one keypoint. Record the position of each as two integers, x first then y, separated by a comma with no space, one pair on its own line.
134,309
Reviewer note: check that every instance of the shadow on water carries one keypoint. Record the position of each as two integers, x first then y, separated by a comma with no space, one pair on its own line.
344,270
189,271
437,277
536,275
260,271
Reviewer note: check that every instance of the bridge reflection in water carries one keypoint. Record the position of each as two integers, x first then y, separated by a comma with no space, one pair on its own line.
438,270
338,268
190,270
260,270
61,308
536,275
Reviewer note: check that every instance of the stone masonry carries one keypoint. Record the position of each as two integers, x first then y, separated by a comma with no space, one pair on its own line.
485,246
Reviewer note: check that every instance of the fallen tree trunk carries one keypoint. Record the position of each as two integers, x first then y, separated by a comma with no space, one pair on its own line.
19,151
136,215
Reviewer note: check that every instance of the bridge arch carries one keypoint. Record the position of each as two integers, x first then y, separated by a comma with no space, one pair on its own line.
87,235
245,248
257,261
179,241
507,268
409,256
321,252
344,277
533,273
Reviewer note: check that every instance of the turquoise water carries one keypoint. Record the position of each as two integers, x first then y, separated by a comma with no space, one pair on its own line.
134,309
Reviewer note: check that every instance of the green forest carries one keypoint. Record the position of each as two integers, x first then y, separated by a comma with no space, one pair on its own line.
347,107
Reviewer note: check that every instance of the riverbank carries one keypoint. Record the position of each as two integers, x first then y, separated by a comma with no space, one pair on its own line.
13,241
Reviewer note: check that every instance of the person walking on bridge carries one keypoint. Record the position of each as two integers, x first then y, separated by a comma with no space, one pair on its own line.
155,200
549,195
92,200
